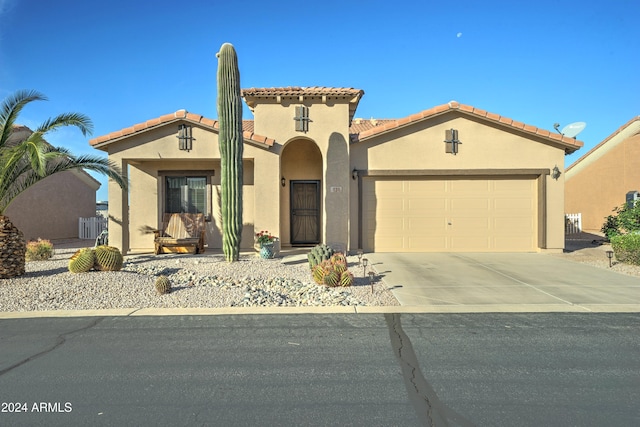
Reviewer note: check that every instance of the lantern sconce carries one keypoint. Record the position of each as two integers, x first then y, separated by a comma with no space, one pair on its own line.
555,173
354,174
283,181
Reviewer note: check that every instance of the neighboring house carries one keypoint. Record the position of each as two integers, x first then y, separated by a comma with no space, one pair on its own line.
50,209
313,173
599,181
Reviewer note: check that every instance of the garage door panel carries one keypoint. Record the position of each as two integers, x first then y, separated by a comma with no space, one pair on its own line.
469,204
426,225
470,225
469,186
424,204
427,214
424,186
514,241
509,224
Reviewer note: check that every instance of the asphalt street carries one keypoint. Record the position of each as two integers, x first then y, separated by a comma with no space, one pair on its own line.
499,369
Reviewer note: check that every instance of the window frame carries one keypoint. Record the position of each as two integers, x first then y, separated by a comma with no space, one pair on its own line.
163,184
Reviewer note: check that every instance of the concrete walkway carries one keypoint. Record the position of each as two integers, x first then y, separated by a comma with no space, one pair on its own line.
450,282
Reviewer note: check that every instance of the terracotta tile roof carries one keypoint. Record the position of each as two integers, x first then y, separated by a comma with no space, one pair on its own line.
634,130
361,125
179,115
253,95
304,91
383,126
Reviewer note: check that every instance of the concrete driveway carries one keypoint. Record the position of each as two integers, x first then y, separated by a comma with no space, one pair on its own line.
454,282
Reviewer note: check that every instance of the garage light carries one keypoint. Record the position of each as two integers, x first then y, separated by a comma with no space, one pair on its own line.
555,173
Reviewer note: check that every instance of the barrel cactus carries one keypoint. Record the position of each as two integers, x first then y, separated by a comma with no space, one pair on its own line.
346,279
163,285
82,261
318,254
108,258
231,142
318,273
332,278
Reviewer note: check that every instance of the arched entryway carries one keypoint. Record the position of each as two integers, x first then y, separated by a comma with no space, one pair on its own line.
301,194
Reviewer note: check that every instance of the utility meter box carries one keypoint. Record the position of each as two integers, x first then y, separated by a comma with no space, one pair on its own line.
632,197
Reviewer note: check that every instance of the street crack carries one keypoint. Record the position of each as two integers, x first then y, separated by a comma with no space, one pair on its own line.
429,409
61,339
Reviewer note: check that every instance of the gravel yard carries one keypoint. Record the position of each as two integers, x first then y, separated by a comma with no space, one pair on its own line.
198,281
590,249
207,281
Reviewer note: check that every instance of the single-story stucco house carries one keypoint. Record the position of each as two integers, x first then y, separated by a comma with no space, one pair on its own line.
600,180
450,178
51,208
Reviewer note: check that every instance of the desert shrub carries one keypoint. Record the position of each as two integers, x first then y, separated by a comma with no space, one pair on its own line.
626,247
39,250
625,219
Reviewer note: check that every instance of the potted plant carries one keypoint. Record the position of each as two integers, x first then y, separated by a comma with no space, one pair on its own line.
266,242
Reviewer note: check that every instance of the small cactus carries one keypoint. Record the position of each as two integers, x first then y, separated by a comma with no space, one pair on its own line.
332,278
339,257
318,254
346,279
318,273
108,258
82,261
163,285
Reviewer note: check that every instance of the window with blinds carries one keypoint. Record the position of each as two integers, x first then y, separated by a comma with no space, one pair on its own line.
186,194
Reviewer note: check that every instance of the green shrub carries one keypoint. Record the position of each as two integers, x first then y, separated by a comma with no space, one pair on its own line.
39,250
626,247
625,219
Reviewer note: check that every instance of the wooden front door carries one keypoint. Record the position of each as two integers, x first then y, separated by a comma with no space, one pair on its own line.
305,212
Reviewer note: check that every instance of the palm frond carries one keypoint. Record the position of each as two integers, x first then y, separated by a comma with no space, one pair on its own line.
78,120
11,108
24,176
34,159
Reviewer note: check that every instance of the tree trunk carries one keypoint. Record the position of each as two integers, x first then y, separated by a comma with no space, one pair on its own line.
12,249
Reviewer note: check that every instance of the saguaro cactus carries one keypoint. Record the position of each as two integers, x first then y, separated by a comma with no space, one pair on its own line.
231,146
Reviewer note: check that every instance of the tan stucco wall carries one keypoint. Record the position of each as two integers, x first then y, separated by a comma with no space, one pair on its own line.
600,183
421,147
50,209
145,156
329,130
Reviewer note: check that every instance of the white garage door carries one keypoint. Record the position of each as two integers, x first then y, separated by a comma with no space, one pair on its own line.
452,215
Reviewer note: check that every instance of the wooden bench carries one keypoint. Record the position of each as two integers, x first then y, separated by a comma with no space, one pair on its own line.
181,233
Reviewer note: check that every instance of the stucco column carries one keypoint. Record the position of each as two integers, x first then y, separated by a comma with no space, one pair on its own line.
119,213
336,192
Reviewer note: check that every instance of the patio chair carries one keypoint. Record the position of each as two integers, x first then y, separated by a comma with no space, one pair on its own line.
181,233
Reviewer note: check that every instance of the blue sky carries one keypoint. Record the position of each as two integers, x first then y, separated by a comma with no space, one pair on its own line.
123,62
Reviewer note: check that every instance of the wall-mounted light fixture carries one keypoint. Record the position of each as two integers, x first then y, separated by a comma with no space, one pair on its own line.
555,173
451,141
283,181
354,174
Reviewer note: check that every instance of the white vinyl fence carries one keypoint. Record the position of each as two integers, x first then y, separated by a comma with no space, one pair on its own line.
572,223
90,228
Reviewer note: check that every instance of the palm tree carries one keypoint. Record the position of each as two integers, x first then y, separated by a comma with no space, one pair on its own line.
24,163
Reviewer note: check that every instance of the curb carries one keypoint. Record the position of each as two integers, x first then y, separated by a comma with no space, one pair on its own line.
435,309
